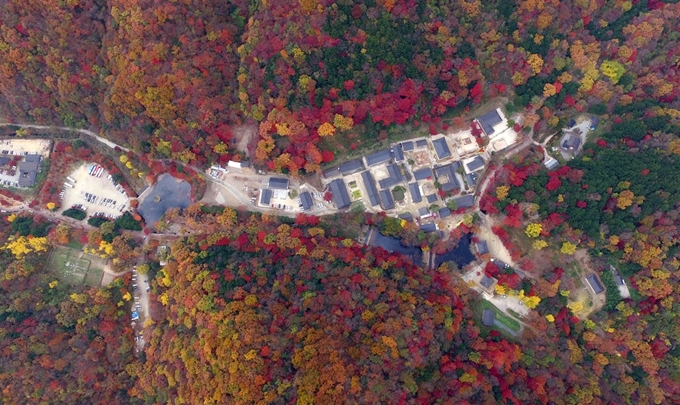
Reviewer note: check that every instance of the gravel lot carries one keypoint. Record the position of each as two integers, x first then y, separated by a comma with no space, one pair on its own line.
101,187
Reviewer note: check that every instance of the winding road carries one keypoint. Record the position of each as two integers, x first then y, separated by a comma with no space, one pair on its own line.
245,201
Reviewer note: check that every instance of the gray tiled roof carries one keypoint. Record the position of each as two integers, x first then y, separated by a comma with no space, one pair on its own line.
471,179
265,196
475,164
416,197
369,184
486,281
465,201
441,148
595,283
394,179
386,200
398,153
340,195
376,158
572,142
482,247
278,183
446,176
429,227
488,120
351,167
488,317
306,200
407,216
332,172
422,174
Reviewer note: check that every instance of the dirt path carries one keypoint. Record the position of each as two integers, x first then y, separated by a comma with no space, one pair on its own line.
82,131
244,136
497,249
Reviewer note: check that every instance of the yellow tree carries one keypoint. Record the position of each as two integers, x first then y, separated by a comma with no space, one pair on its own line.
502,192
568,248
549,90
625,199
326,129
536,63
613,70
539,244
534,230
343,123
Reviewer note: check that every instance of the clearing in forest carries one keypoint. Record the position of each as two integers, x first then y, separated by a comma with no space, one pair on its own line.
75,267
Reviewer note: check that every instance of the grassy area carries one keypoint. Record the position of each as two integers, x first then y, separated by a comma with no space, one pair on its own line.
574,272
520,239
403,132
74,244
501,318
74,267
504,323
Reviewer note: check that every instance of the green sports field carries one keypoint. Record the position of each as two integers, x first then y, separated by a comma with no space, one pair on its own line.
75,267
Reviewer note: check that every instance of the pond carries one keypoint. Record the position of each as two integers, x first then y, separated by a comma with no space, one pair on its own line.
395,245
167,193
461,254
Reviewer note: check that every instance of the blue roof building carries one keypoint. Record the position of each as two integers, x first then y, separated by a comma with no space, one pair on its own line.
407,146
421,143
432,198
444,212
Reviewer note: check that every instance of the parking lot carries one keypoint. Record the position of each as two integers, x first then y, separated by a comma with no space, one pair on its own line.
25,147
98,196
9,175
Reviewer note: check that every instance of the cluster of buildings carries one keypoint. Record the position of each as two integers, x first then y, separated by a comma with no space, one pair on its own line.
276,195
24,175
422,178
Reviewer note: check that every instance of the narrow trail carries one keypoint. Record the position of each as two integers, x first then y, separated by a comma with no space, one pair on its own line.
82,131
